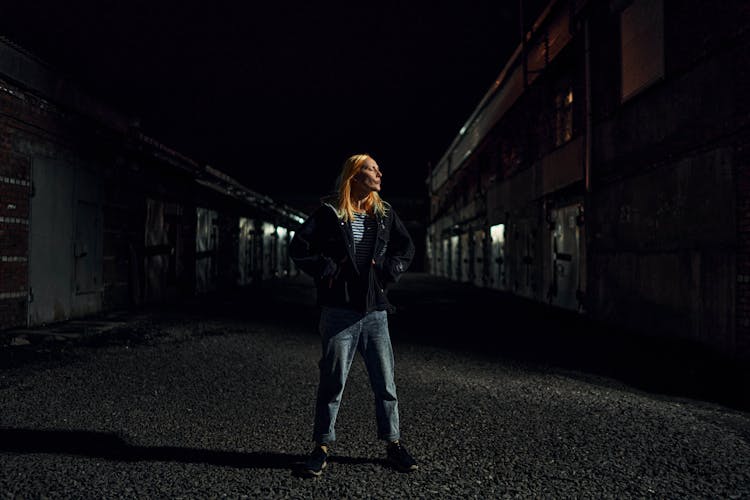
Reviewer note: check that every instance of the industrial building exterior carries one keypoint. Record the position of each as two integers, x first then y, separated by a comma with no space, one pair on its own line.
606,171
96,216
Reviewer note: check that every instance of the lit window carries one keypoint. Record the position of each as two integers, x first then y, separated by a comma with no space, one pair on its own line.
563,116
268,229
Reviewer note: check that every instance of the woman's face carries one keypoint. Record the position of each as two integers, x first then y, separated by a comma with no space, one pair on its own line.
368,178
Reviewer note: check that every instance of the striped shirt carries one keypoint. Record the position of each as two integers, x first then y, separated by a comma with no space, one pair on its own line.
364,229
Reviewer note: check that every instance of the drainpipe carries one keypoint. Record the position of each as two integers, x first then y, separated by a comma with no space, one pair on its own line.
523,45
587,77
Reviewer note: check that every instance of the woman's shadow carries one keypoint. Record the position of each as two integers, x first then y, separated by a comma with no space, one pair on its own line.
112,447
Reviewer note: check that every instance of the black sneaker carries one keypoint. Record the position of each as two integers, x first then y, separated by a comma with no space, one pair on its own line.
400,458
316,462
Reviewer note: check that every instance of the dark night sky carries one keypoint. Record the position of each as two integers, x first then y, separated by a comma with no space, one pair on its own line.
279,95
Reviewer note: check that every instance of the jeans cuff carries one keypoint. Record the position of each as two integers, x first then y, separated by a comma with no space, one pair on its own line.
328,439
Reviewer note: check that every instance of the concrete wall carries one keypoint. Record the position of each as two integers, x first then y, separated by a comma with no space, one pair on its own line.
656,238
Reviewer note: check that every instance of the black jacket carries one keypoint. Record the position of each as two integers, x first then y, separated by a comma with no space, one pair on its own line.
323,247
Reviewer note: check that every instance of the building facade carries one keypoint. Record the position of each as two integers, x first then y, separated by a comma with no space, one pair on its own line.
96,216
605,171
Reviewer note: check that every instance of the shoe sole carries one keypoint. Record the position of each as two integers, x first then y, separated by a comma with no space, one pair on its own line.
403,469
316,473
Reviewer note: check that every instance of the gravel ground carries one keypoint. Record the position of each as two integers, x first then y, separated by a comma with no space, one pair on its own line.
217,402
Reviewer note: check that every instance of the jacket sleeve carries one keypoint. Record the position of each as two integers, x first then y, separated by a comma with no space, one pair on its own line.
305,249
400,251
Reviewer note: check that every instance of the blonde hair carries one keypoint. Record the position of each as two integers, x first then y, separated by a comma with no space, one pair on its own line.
373,203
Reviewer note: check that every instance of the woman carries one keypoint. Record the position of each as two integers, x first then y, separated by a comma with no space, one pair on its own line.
354,245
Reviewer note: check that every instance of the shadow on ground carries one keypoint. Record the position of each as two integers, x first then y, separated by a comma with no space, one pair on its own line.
108,446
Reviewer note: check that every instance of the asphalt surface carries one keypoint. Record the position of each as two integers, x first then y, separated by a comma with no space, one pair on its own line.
499,398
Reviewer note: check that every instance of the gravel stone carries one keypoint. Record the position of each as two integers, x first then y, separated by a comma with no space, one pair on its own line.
214,399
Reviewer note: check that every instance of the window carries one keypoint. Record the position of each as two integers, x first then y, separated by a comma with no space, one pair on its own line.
641,45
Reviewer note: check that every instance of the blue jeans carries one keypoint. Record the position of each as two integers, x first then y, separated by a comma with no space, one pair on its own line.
343,332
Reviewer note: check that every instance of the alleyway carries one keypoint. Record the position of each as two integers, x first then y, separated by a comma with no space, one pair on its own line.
499,398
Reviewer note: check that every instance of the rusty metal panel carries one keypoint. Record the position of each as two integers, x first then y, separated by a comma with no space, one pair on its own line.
521,260
156,264
206,243
51,241
245,251
641,45
563,166
164,264
174,227
478,269
565,278
464,256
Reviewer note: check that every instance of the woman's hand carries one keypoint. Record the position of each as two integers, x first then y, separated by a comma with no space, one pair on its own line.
335,275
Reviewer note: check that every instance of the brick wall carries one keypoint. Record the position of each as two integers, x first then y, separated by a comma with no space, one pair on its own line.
15,187
28,122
